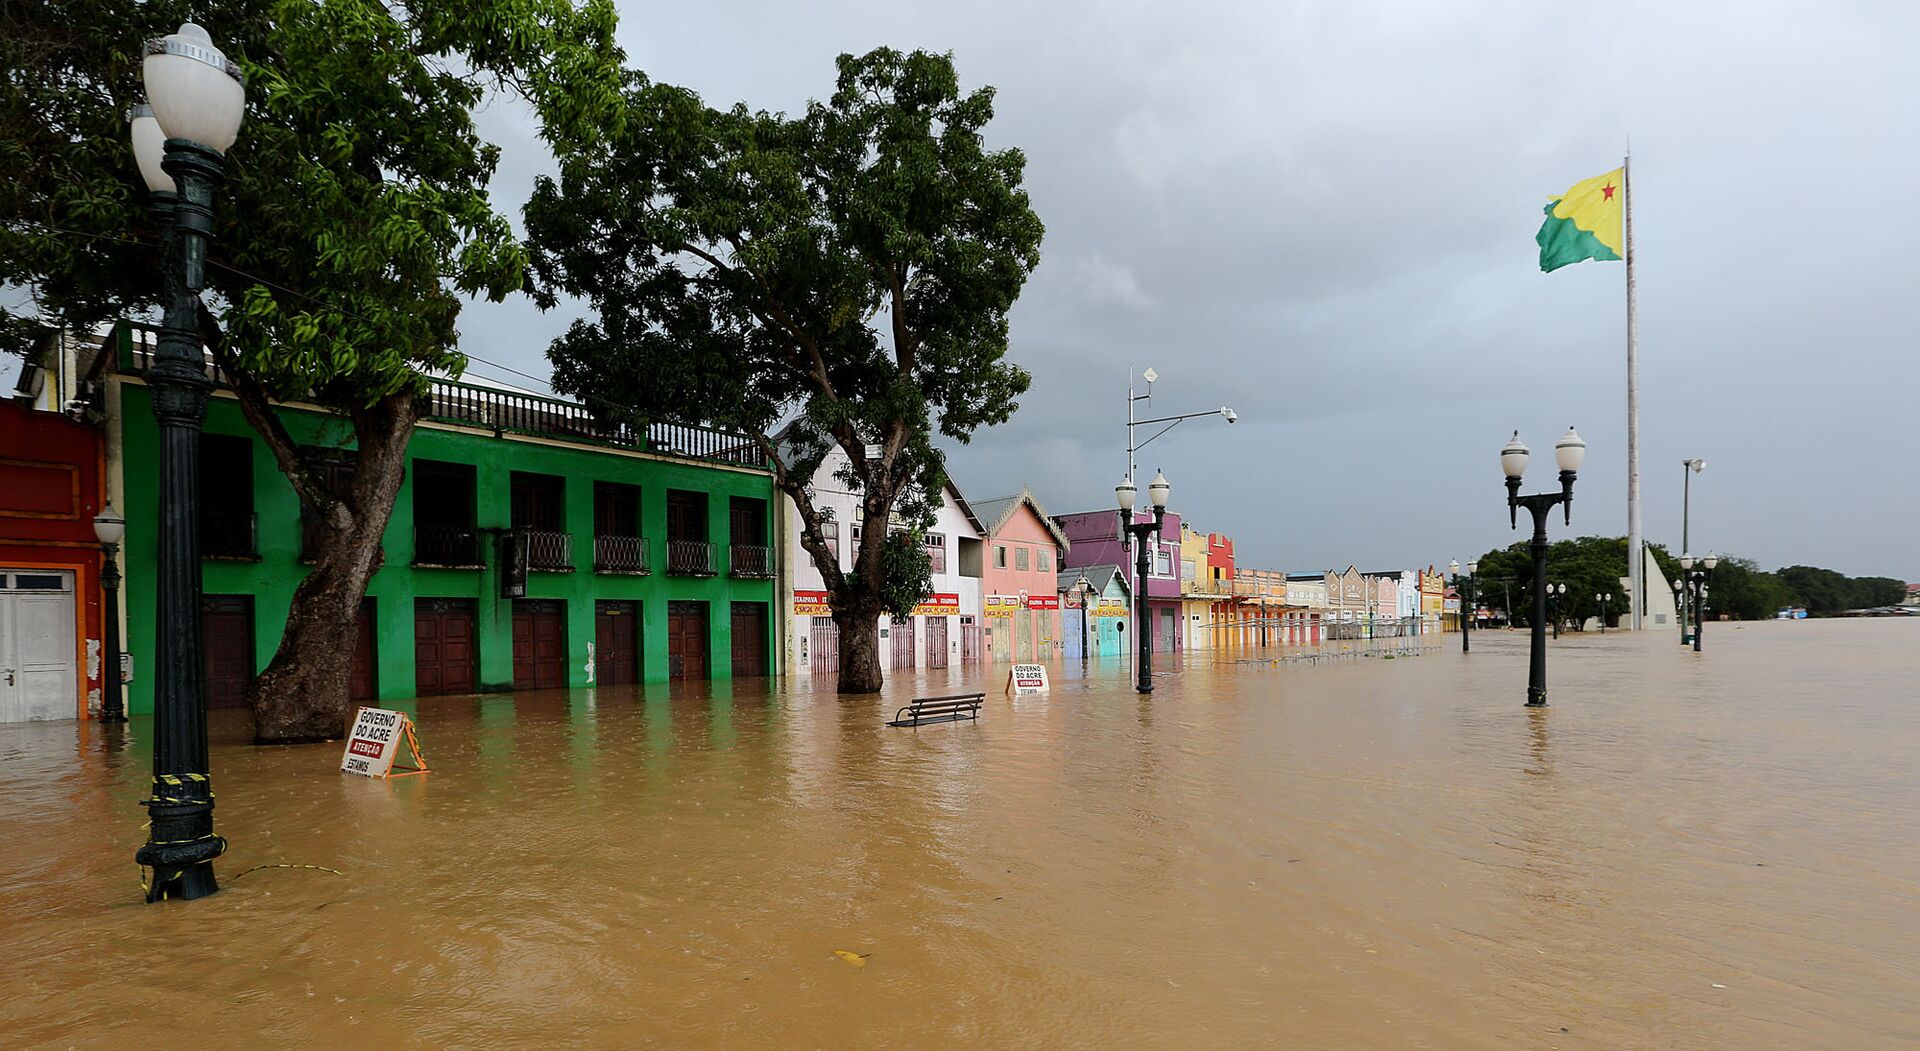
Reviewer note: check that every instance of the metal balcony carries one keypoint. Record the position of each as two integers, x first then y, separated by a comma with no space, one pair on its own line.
620,554
751,560
456,546
548,549
690,558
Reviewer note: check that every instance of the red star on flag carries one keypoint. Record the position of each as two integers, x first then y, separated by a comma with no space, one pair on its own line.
1608,191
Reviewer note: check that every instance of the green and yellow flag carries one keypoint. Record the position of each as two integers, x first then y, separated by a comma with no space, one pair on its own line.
1584,223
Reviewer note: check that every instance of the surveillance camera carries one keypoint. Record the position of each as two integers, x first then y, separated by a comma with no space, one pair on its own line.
1229,414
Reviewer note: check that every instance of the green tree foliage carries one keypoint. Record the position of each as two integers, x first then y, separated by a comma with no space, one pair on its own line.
1739,588
840,279
354,220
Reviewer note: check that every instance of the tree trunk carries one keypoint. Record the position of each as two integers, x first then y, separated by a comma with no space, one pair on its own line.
860,670
305,693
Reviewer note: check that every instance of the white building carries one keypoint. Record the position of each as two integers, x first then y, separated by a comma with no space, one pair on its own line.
945,629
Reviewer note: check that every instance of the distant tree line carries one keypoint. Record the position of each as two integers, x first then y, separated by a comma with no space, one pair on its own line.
1593,565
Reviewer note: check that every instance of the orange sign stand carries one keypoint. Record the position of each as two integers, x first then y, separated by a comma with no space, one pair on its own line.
419,761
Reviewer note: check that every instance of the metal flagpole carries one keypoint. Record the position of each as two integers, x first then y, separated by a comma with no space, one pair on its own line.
1636,557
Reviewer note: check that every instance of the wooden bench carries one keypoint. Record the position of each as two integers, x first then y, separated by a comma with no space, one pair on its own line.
939,709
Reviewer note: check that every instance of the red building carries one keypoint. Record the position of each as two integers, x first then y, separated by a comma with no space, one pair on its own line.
50,621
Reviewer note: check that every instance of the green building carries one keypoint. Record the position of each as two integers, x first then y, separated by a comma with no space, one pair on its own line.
530,547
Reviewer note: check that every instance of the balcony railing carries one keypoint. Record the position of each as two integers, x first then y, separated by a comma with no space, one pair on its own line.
229,534
689,558
548,549
447,546
510,410
620,554
751,560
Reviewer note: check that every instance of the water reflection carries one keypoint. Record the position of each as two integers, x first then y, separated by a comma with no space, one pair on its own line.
1680,852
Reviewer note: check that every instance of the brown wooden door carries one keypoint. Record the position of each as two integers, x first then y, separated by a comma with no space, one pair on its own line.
686,640
539,644
616,643
749,639
936,642
443,650
901,635
226,632
365,682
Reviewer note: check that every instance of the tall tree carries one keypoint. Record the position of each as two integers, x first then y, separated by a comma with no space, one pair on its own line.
353,222
837,279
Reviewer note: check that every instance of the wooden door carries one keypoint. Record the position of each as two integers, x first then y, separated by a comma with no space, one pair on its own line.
364,685
444,656
687,640
749,640
902,635
226,632
936,642
539,644
969,640
616,643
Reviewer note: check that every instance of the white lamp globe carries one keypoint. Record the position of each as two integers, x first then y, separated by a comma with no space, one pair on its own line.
1159,489
1473,567
149,144
1514,456
1124,493
1711,560
1686,561
1570,451
194,90
109,525
1454,567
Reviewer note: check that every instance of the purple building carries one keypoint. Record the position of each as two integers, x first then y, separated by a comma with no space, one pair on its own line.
1095,541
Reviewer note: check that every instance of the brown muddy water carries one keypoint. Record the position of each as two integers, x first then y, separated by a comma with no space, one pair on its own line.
1684,851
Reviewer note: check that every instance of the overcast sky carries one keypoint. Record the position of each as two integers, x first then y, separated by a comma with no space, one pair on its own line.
1322,215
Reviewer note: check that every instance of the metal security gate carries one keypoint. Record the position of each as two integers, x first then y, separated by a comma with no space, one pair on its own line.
37,673
824,637
970,641
902,635
936,642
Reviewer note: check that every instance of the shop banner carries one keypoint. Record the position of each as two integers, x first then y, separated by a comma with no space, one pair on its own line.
938,605
811,604
1043,602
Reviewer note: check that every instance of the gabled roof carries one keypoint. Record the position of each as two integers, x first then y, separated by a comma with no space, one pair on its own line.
1101,577
999,511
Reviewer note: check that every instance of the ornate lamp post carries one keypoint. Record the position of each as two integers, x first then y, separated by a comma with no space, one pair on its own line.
1556,593
1601,601
1696,587
1157,492
1464,587
108,528
1084,588
1569,452
197,102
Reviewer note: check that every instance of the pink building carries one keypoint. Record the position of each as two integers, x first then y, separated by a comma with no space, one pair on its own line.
1019,582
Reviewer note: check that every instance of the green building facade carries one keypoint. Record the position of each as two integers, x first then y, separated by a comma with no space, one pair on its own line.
528,548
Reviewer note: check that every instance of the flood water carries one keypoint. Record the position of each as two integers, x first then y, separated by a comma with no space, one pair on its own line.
1713,850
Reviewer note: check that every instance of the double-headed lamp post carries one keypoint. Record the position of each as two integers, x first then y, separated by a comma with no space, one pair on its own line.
196,102
1084,588
1463,586
1569,453
1697,579
108,528
1142,532
1556,593
1601,600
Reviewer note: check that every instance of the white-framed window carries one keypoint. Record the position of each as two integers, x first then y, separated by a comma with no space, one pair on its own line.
830,532
999,556
936,545
1020,559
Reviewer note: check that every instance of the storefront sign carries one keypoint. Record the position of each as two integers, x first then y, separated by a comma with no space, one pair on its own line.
1002,605
1043,602
374,743
1110,608
811,604
938,605
1027,678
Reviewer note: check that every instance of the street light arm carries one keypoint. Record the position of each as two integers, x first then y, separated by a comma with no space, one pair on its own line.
1174,419
1160,432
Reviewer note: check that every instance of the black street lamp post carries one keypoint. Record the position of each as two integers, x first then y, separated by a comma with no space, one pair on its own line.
1142,532
1696,588
197,102
1601,601
1463,586
1568,453
108,528
1084,588
1556,594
